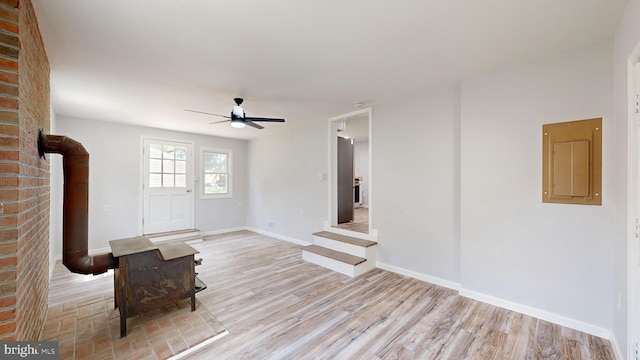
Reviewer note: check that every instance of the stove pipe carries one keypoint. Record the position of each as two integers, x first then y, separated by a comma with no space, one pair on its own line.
75,215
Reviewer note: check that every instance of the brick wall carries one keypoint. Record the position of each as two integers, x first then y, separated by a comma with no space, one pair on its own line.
24,179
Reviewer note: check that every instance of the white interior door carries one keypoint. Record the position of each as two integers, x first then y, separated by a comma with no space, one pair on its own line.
167,186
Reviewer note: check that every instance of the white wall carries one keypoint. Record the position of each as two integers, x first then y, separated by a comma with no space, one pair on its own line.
552,257
284,183
457,187
361,168
457,194
626,40
415,180
55,200
114,178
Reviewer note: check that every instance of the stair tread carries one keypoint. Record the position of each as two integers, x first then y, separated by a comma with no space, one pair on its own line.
335,255
344,238
171,233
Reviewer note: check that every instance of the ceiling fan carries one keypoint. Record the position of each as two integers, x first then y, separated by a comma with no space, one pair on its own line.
238,118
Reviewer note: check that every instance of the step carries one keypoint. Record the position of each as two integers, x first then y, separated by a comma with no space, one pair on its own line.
335,255
345,239
337,261
188,235
347,244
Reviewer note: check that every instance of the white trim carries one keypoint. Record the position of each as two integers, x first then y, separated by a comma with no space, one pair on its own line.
98,251
364,110
278,236
538,313
222,231
52,265
416,275
633,205
333,161
616,347
141,179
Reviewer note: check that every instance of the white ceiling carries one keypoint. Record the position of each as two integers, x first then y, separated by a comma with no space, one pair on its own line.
145,61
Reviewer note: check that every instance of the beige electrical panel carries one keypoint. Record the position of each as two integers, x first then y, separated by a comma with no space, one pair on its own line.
572,162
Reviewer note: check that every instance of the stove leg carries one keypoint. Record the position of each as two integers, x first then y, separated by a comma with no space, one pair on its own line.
122,303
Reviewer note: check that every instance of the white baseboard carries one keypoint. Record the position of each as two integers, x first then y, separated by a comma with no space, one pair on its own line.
416,275
52,264
222,231
278,236
98,251
538,313
619,354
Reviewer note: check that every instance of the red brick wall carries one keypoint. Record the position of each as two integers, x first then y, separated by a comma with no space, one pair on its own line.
24,179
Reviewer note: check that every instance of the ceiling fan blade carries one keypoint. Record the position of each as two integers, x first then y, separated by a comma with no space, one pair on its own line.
263,119
221,121
253,125
206,113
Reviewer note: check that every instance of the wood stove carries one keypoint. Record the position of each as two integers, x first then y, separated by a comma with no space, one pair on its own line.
146,276
151,276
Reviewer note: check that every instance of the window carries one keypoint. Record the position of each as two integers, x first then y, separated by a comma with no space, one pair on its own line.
167,166
216,173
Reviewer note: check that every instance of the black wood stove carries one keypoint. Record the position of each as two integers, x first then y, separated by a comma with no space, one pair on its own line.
150,276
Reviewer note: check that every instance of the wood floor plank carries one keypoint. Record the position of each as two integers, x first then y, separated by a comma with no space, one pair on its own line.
548,341
277,306
356,330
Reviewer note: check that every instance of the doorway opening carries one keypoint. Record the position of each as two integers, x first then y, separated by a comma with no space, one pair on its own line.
350,185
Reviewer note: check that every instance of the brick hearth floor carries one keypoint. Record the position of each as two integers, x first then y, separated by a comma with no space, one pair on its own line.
89,328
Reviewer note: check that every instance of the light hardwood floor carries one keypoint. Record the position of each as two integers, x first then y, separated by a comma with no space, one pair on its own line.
276,306
360,221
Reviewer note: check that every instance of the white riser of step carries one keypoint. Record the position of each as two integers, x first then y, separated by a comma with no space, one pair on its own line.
190,237
355,250
338,266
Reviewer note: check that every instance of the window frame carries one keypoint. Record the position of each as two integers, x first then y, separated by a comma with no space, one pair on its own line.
229,173
162,172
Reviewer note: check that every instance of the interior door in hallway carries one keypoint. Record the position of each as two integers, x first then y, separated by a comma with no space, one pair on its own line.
167,186
345,180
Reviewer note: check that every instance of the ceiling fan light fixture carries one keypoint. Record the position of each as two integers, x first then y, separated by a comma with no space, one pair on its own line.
237,123
239,119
